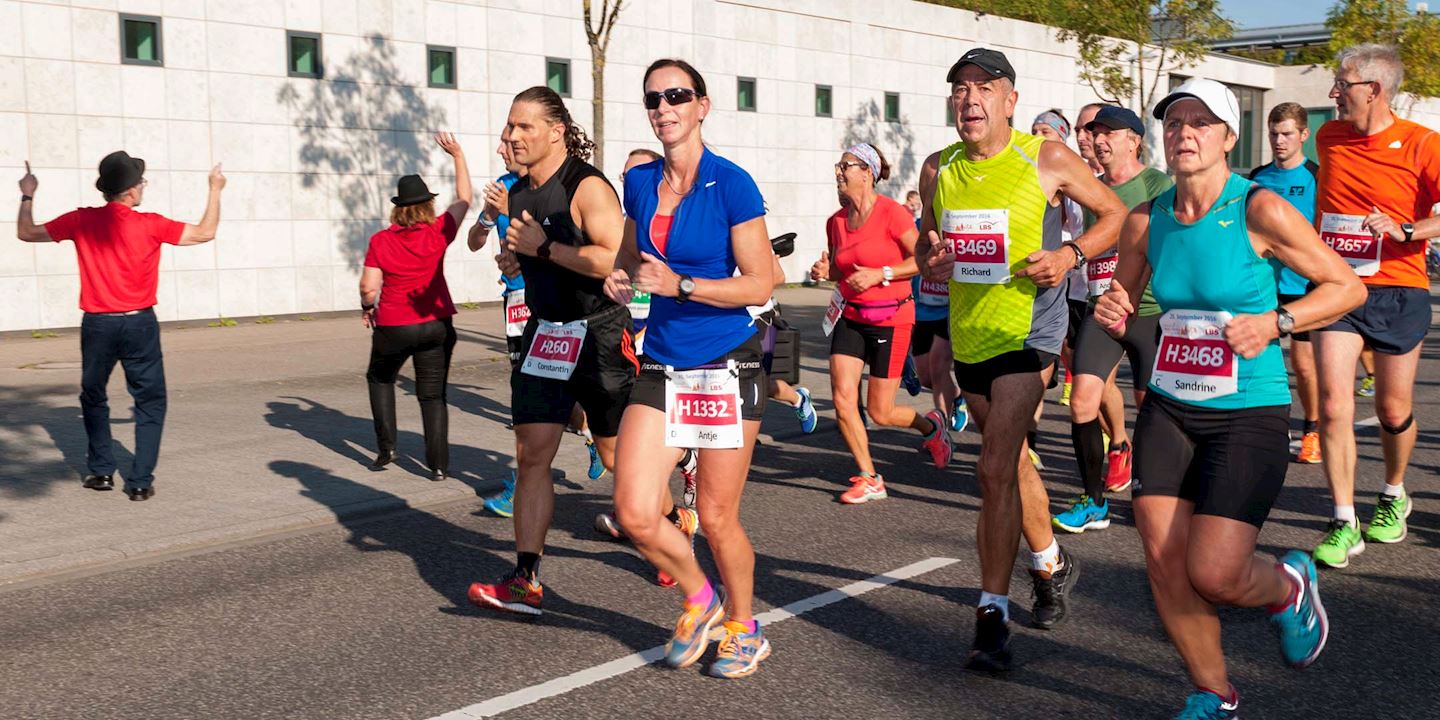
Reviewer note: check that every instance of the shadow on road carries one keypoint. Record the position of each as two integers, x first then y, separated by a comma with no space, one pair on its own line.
31,421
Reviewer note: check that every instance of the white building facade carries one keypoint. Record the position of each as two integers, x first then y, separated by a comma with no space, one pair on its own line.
312,161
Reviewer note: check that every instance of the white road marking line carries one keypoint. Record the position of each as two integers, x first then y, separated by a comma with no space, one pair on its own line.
574,681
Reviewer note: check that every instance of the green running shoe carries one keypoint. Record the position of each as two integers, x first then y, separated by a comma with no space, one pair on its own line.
1342,542
1388,524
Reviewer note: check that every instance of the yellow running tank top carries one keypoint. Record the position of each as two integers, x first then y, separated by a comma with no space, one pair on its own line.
993,213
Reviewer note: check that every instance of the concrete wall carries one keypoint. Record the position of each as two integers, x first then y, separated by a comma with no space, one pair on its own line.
313,163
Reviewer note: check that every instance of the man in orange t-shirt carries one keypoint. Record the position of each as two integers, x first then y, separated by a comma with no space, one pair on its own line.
1379,178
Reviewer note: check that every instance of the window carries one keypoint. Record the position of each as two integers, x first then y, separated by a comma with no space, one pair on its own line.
140,40
1315,117
892,107
557,75
1252,130
949,113
823,104
442,66
304,54
745,94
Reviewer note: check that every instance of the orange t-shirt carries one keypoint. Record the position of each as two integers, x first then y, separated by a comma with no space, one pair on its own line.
1396,170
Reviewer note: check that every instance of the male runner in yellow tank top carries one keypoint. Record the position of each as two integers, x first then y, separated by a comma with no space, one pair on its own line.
992,228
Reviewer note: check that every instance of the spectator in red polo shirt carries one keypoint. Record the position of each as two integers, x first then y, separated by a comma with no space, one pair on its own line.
403,296
119,254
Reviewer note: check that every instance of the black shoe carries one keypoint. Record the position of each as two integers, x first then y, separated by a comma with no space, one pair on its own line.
991,651
100,482
384,458
1051,592
438,476
140,494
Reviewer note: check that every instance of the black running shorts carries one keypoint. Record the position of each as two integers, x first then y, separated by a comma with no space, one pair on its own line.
601,383
754,388
1097,353
977,378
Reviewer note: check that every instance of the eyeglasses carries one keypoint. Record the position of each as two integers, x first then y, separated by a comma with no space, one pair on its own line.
844,165
1343,85
674,96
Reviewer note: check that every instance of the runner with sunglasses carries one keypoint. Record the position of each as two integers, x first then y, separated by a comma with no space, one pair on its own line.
871,259
693,220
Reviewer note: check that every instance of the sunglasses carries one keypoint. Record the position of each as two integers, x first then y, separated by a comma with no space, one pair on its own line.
674,96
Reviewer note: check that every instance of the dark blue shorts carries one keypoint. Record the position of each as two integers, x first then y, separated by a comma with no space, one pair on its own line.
1393,320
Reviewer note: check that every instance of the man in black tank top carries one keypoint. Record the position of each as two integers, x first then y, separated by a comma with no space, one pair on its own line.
565,228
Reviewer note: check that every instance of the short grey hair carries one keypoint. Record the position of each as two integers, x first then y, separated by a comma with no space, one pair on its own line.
1379,63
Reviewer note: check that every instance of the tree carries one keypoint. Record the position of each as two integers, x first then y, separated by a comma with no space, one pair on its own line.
1352,22
599,38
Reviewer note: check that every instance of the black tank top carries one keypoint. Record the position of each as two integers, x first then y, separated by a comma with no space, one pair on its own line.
555,293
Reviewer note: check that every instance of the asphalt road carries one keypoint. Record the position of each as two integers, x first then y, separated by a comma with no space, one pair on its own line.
368,618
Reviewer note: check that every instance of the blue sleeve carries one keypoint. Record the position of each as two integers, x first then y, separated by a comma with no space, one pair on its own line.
743,201
502,223
628,184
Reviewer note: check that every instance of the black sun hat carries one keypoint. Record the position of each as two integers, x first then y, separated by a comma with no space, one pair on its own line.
119,172
411,190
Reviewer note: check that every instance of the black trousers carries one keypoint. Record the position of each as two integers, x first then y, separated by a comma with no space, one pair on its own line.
430,345
134,342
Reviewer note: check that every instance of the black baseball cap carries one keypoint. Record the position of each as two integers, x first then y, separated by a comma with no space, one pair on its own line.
991,61
1117,118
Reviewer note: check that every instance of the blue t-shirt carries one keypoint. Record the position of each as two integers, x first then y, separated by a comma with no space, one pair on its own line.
502,223
1298,186
723,196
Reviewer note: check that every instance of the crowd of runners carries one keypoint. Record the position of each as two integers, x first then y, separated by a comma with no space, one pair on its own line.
645,320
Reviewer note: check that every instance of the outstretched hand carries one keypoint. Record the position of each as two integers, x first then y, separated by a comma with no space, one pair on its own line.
448,143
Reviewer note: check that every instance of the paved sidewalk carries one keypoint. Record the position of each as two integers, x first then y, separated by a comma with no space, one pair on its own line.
260,416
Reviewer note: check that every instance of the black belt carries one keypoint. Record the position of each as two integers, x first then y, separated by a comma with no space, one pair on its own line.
121,314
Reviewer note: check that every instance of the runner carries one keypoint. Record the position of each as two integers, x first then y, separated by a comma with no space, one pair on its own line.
693,219
871,315
1118,138
995,196
1379,178
1292,176
565,230
1211,440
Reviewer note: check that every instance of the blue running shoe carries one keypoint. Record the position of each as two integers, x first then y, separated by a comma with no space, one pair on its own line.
805,411
960,416
503,503
692,632
1206,705
1083,515
1302,624
740,651
597,468
909,378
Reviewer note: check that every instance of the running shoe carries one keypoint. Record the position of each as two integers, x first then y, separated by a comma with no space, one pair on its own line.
805,411
1206,705
1083,515
959,416
1342,541
689,466
938,444
1052,591
692,632
511,593
740,651
503,502
909,378
1309,449
689,523
1302,623
1367,387
864,488
1117,476
606,525
1388,524
991,650
597,468
1065,394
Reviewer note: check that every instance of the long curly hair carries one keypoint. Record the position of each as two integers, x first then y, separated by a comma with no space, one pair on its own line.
577,143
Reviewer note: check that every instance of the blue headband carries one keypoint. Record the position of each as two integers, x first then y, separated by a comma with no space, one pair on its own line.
1055,121
867,153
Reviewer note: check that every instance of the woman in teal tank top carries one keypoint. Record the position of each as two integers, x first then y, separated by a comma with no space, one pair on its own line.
1211,441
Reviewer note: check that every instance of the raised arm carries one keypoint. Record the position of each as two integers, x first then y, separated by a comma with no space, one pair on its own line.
210,222
25,227
464,193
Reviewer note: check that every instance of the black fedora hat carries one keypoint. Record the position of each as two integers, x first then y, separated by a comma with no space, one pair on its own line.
119,172
411,190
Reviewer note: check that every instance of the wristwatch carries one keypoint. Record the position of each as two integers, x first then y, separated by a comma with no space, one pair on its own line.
888,273
1079,254
687,286
1409,230
543,252
1284,322
26,198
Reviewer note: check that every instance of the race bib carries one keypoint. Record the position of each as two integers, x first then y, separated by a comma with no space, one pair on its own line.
1357,246
702,408
555,349
832,313
639,306
517,313
934,293
980,240
1099,272
1194,362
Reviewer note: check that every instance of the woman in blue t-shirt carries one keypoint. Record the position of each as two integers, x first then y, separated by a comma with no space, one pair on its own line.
695,239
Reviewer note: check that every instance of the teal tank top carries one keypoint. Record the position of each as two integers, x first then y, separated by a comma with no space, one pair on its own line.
1211,266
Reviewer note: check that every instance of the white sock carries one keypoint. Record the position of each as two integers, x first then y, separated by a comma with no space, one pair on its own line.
1000,601
1395,491
1346,513
1047,560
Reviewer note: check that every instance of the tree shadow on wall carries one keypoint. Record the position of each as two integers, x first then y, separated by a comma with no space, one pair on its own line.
361,128
895,139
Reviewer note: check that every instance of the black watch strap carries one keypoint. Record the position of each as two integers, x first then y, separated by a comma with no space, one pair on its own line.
681,294
26,198
543,252
1079,254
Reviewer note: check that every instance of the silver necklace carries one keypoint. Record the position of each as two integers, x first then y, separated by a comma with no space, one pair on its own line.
666,178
